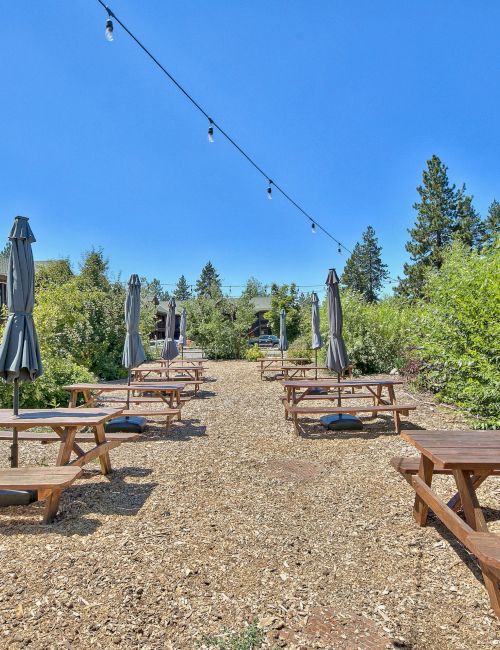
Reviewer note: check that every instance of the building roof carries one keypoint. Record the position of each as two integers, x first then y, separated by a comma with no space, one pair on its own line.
261,303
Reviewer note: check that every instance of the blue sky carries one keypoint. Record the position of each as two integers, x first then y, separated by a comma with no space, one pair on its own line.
342,103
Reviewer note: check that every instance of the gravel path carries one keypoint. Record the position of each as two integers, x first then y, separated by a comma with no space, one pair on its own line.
231,519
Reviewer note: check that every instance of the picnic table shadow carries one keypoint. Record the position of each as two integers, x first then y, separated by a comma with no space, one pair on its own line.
313,429
183,430
116,496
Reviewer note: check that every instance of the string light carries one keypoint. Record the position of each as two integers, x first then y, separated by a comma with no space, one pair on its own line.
313,228
339,250
210,130
270,190
109,26
214,124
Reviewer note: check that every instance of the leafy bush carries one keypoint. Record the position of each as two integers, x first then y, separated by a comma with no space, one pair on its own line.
460,332
377,335
300,349
254,353
46,391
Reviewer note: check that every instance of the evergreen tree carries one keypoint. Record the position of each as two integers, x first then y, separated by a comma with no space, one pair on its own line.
208,284
53,273
491,225
94,270
5,252
253,288
434,227
155,289
469,228
364,271
182,290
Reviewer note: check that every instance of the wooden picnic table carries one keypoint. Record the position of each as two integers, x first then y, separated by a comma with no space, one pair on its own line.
274,364
290,368
141,373
66,422
299,392
169,393
179,360
292,371
470,457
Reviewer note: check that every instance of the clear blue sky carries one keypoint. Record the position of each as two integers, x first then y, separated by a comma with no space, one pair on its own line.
341,102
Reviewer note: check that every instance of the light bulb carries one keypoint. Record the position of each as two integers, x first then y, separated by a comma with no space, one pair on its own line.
211,131
270,191
339,250
313,228
109,29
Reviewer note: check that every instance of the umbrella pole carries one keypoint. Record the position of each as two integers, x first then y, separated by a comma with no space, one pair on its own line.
282,358
316,363
128,384
14,449
182,352
339,400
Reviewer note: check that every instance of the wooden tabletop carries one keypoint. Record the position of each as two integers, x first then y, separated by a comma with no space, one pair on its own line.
457,449
61,417
334,383
140,386
177,367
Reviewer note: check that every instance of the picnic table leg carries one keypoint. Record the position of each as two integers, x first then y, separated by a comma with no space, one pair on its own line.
420,508
51,506
475,518
376,399
73,399
392,400
455,503
104,459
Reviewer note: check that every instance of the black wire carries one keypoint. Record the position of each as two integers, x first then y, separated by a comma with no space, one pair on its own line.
221,130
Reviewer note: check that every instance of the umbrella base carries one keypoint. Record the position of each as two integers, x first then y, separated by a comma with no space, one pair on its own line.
132,424
341,422
16,498
318,391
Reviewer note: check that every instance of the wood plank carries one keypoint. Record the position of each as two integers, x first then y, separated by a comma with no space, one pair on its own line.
348,409
35,478
325,383
62,417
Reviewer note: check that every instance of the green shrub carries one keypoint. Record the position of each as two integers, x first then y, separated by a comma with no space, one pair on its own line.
47,391
300,349
459,333
254,353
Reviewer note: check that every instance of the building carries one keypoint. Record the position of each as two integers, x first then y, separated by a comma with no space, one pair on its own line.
259,326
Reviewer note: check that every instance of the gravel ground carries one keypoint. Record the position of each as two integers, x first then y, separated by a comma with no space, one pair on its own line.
231,519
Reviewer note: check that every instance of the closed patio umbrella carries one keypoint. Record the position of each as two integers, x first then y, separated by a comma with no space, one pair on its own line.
19,353
133,352
336,354
182,331
317,340
283,344
169,350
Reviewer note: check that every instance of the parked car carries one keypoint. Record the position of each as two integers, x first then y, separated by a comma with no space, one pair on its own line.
265,341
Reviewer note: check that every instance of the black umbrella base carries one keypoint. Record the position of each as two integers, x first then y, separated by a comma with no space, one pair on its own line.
318,391
341,422
132,424
16,498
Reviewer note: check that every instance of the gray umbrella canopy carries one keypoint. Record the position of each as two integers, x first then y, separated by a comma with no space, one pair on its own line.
19,353
182,328
336,355
169,350
283,344
316,341
133,352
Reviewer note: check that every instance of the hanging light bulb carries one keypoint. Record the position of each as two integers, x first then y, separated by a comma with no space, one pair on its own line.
210,130
270,190
109,29
313,228
339,250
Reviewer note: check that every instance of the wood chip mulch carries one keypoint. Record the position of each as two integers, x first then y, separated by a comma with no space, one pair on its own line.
231,519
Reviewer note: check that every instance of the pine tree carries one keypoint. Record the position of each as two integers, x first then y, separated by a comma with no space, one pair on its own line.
254,288
208,284
491,225
5,252
364,271
434,227
182,290
469,228
94,270
154,289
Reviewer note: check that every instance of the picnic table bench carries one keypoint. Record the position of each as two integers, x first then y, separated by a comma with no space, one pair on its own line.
47,482
66,423
179,372
470,457
299,392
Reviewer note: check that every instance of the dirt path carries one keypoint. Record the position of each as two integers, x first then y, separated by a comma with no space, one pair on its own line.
231,519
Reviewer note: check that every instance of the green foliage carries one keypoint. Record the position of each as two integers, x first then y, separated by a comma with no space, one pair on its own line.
377,335
46,391
182,290
53,273
208,284
300,349
254,353
94,270
254,288
251,638
364,271
5,252
285,297
491,227
460,332
154,289
220,325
